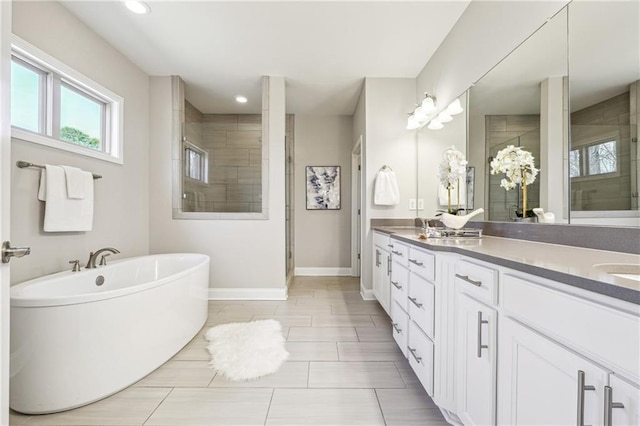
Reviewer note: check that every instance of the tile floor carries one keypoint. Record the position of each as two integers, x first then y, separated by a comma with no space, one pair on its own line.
344,369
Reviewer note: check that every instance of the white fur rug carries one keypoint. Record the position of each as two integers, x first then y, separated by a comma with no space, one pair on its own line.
247,350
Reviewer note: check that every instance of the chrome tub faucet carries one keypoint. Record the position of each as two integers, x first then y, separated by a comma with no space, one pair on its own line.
91,264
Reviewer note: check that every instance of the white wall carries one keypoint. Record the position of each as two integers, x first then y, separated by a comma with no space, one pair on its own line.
121,196
387,102
322,237
247,256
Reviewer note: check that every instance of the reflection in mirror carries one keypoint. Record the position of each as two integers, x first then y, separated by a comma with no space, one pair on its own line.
604,58
510,106
431,198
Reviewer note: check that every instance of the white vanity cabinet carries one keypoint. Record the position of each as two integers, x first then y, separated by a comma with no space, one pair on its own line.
382,270
476,342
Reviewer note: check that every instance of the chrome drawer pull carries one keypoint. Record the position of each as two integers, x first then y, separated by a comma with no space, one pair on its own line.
396,328
415,262
581,388
480,345
390,245
609,405
397,253
396,285
378,257
469,280
413,352
414,300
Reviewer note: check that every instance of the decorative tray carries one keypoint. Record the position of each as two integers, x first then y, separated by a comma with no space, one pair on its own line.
449,233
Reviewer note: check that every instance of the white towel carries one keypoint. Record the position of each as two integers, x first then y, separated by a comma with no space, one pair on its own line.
63,214
76,182
443,196
386,192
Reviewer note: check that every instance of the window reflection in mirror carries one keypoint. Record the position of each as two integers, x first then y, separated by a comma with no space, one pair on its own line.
604,59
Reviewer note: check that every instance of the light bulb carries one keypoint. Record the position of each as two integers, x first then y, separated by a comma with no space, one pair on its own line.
444,117
455,107
241,99
428,105
420,114
412,122
435,124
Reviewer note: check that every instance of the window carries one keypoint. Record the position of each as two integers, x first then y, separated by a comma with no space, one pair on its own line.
596,159
196,163
54,105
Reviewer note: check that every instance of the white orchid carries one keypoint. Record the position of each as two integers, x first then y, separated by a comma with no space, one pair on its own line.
453,167
517,164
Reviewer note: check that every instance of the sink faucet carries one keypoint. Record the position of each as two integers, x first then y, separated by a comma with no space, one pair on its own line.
91,264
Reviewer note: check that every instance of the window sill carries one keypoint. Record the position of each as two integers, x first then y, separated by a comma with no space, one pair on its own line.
26,136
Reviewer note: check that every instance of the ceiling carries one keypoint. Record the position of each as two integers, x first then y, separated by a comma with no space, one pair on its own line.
324,49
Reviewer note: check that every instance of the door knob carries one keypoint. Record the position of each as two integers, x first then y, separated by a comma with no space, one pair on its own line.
8,252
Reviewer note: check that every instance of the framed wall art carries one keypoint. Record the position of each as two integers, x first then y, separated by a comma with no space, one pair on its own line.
323,187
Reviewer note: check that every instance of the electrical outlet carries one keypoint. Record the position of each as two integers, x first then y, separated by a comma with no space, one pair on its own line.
420,203
412,203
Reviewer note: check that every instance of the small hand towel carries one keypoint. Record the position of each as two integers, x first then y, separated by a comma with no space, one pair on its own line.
63,214
386,192
76,182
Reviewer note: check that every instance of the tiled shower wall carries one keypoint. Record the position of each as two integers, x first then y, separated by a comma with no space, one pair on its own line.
518,130
234,145
609,117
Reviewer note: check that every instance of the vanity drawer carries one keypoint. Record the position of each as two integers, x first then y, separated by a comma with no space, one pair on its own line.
478,280
420,355
399,251
609,336
381,239
400,285
422,303
422,263
400,324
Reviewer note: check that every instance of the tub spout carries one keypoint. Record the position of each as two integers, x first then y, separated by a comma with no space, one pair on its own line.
91,264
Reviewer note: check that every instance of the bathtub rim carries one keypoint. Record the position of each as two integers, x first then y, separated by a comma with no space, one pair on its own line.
52,301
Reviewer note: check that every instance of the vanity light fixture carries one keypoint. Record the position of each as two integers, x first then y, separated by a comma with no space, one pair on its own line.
455,107
444,117
241,99
138,6
420,114
435,124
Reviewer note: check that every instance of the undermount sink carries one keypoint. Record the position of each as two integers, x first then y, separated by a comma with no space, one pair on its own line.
623,270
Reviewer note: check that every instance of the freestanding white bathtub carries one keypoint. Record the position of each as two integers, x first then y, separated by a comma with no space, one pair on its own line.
74,342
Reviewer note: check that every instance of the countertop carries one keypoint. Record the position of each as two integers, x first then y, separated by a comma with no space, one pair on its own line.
569,265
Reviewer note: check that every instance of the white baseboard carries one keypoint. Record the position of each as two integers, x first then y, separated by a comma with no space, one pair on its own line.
248,293
323,272
367,294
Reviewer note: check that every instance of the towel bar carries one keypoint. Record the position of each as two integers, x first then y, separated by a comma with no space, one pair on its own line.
23,164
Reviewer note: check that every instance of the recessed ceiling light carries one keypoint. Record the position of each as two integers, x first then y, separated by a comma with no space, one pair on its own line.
137,6
241,99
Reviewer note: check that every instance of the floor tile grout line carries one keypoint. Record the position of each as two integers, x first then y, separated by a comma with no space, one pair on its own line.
158,406
266,417
384,419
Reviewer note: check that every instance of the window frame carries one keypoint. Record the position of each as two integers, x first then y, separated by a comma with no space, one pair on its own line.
583,153
58,74
204,163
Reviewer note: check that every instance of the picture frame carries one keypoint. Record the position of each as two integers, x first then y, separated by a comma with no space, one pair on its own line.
323,187
470,179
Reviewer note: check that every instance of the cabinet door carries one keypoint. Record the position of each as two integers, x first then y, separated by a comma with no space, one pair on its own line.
420,353
538,381
400,324
381,277
476,361
625,399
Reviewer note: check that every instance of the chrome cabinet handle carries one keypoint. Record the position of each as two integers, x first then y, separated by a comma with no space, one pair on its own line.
8,252
396,328
378,257
397,253
609,405
415,262
390,245
414,300
388,265
396,285
413,353
480,345
581,388
469,280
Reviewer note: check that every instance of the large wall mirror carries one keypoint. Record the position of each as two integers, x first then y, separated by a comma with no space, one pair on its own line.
604,80
592,51
505,109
